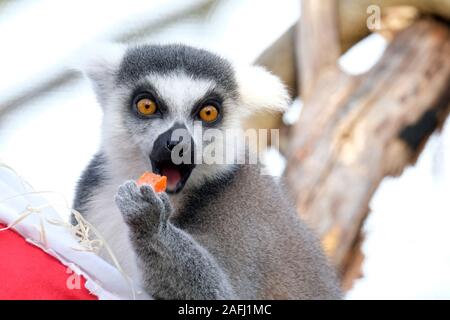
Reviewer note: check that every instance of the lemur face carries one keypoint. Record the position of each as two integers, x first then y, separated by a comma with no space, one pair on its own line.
156,98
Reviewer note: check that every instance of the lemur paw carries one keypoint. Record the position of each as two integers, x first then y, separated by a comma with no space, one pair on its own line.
142,207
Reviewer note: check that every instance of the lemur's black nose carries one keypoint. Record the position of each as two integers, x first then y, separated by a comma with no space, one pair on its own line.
170,144
167,141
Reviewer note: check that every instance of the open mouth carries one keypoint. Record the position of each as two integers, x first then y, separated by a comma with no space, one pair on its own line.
177,175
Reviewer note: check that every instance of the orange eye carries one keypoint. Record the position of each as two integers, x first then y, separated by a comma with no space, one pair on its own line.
208,113
146,106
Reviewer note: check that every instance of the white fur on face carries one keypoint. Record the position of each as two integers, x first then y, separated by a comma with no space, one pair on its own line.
180,92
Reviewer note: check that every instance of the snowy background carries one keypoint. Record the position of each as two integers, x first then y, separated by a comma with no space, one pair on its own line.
50,121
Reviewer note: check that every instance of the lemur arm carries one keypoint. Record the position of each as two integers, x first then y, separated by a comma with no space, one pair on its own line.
174,265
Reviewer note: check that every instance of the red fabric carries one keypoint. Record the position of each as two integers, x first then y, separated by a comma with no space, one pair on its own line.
27,272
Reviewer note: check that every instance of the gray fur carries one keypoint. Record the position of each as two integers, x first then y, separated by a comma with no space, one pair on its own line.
235,237
91,179
164,59
230,232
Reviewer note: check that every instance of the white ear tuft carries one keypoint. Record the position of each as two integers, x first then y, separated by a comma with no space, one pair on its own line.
260,90
100,64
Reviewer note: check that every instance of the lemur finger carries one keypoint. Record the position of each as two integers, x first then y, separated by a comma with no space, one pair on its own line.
167,206
147,192
129,190
150,196
125,204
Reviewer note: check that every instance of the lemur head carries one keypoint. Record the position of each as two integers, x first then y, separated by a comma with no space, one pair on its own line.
152,93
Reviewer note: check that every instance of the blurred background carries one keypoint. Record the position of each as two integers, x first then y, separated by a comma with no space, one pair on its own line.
50,120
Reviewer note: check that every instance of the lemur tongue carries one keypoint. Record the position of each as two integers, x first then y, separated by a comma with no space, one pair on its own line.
173,176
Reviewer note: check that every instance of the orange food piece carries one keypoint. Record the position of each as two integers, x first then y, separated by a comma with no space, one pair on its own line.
159,183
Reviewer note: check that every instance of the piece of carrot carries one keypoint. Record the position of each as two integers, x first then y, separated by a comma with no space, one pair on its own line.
159,183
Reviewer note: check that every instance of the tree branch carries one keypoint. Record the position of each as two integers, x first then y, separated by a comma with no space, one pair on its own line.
317,43
354,132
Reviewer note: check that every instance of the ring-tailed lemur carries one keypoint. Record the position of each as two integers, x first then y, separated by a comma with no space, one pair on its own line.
225,231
